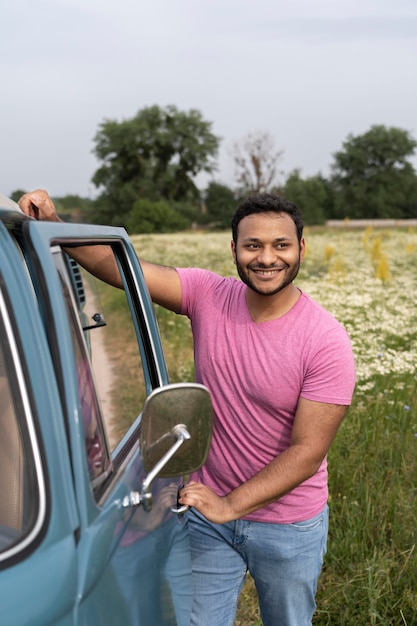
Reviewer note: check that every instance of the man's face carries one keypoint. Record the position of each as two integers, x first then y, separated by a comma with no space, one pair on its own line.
267,253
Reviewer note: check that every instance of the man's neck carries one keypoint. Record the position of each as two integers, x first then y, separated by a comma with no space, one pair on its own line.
267,308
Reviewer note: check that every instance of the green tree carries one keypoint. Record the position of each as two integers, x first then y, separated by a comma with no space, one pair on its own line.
17,194
219,203
309,195
148,216
73,208
372,175
192,212
154,155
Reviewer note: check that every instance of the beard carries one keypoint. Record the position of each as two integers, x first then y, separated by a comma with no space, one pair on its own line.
288,274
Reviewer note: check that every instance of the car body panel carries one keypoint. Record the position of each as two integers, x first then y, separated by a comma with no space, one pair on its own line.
89,557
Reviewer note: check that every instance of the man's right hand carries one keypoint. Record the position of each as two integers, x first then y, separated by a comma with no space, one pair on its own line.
39,205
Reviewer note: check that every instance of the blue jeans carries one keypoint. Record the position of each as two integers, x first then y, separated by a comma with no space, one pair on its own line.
284,560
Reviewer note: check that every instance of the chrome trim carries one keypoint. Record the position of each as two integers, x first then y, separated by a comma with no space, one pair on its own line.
140,298
28,539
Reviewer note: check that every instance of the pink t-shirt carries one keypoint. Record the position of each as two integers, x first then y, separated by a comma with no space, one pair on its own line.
255,373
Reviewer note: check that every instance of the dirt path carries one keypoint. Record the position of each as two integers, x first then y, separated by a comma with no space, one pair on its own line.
103,372
104,378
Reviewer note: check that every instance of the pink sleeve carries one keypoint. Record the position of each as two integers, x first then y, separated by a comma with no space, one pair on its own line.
330,376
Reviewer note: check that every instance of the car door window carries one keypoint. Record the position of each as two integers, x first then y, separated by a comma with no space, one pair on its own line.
115,357
110,373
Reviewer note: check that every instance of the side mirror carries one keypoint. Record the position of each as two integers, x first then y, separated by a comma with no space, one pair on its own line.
181,416
175,436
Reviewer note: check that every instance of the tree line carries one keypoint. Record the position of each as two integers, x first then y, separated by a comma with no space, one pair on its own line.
148,165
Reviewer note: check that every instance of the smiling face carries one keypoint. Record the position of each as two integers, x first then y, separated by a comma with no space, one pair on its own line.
267,252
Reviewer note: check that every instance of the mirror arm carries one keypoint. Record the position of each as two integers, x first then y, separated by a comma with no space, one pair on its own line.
181,434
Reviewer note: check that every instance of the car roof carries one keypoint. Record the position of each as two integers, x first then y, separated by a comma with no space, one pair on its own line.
9,204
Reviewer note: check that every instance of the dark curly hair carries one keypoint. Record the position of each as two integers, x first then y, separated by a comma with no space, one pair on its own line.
263,203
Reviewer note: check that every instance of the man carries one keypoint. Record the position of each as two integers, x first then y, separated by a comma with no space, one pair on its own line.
281,375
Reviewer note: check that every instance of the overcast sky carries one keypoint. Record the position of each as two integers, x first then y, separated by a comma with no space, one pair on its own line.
309,72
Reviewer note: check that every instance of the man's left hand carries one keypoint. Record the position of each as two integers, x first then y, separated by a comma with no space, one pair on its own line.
215,508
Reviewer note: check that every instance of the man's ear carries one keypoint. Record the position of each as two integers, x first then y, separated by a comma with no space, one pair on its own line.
302,249
233,248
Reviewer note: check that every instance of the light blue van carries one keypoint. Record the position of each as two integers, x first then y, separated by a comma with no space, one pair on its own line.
94,441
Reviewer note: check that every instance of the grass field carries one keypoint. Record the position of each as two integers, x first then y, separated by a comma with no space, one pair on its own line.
368,280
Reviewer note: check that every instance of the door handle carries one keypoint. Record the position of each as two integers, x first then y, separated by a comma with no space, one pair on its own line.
180,509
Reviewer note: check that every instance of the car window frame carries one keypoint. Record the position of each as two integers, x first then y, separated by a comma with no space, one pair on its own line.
41,238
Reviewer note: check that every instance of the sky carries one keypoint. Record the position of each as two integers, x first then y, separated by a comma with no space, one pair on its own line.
307,72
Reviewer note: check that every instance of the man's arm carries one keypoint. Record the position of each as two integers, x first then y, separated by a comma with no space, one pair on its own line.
163,282
315,426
